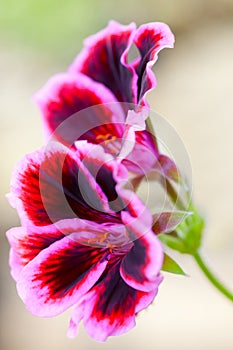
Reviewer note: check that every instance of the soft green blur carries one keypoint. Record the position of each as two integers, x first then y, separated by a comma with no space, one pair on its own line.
39,38
57,26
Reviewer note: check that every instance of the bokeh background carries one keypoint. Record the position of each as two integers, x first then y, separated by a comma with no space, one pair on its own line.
39,38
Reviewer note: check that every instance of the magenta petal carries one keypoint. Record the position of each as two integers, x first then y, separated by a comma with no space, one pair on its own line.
141,266
59,276
145,299
76,317
52,184
26,243
101,59
109,309
150,39
67,94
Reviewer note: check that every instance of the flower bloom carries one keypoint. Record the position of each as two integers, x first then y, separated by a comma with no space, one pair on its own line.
85,241
103,76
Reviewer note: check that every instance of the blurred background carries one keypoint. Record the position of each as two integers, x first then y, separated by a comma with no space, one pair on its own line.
194,93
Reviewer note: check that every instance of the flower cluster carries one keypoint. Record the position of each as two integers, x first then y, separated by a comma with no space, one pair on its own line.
86,239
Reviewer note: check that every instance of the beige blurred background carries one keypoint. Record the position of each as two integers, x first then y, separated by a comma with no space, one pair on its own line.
194,92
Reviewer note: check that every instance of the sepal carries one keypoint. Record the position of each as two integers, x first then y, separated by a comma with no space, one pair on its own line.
168,221
170,265
186,238
190,231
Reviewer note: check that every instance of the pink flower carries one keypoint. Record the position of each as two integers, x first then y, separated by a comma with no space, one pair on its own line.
85,241
102,76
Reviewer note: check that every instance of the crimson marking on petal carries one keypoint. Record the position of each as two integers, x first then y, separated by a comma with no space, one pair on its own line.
135,263
101,60
64,102
70,100
58,277
110,307
50,185
26,243
71,266
116,294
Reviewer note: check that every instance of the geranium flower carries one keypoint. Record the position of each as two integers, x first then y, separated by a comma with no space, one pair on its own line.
102,76
85,240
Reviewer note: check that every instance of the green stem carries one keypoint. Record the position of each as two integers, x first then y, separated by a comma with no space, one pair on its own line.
150,128
173,194
211,277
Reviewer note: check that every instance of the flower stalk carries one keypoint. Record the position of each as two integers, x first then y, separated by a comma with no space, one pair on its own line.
211,277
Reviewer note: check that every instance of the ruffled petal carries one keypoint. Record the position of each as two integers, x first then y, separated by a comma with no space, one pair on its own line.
110,307
141,266
59,276
52,184
65,95
101,60
150,39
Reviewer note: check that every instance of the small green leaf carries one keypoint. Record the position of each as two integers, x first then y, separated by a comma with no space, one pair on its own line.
190,231
173,242
186,237
169,265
